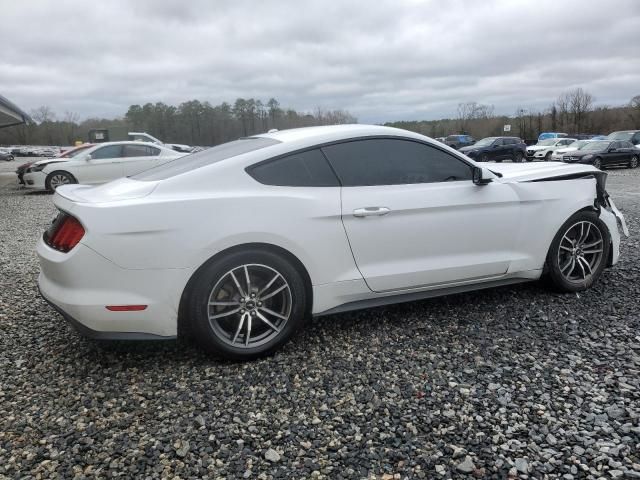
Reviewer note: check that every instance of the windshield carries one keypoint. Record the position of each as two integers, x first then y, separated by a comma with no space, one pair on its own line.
548,142
596,146
206,157
626,136
485,142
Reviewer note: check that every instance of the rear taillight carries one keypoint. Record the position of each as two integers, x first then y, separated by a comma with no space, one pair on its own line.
65,233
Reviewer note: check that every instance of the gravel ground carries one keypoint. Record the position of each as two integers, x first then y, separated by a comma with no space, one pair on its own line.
501,383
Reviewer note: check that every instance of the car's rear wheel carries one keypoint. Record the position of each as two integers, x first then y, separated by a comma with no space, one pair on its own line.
246,304
633,163
58,178
518,157
597,163
578,253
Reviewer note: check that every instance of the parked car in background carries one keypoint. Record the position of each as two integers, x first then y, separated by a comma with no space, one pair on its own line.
546,135
20,171
558,153
239,244
6,155
440,139
459,141
632,136
545,148
497,149
605,153
99,164
145,137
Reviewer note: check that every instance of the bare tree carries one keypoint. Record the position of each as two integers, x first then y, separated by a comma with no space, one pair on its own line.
580,103
43,114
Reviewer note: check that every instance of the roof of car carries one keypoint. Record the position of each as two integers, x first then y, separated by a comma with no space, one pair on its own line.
330,133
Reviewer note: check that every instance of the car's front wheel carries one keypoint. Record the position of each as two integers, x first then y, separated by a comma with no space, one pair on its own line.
578,253
246,305
58,178
597,163
633,163
484,157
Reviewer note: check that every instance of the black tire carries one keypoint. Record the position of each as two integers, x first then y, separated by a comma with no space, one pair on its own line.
211,334
58,174
547,157
555,275
484,157
10,158
518,157
597,163
633,163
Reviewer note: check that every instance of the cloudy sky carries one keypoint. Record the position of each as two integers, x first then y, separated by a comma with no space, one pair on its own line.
382,60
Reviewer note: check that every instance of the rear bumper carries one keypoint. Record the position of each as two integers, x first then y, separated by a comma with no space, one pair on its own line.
87,332
81,284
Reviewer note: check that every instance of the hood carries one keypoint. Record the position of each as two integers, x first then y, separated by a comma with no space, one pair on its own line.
51,160
468,148
539,147
566,149
526,172
121,189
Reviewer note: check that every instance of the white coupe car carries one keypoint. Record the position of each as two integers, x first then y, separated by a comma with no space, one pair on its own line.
99,164
237,244
545,148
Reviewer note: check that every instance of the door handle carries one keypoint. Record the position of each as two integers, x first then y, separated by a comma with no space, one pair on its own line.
370,212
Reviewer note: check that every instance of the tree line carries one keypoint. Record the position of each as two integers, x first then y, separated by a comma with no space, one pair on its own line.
572,112
193,122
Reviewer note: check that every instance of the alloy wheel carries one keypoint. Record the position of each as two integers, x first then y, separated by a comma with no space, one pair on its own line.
597,163
59,179
634,162
580,252
249,306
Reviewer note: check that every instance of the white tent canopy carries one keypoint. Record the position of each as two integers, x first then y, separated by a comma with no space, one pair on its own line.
11,114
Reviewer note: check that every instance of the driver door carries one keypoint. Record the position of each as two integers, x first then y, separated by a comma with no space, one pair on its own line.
415,219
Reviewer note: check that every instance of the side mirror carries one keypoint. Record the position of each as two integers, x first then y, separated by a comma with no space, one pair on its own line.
481,176
88,157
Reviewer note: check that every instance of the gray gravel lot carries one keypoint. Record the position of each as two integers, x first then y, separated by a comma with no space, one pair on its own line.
500,383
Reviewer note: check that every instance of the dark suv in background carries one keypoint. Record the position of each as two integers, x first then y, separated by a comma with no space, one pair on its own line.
497,149
459,141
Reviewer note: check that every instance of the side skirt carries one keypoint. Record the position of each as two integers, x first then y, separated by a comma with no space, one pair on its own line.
413,296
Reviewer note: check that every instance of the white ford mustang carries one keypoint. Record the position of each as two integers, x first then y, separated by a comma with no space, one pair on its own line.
237,244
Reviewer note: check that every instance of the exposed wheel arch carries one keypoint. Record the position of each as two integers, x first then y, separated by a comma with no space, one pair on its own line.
295,261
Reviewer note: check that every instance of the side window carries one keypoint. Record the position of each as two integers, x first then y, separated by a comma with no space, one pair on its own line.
140,151
499,141
511,141
305,169
393,162
636,138
109,151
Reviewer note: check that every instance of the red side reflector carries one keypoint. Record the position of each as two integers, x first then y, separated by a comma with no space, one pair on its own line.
126,308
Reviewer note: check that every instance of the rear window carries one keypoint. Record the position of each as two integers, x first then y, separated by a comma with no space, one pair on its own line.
206,157
304,169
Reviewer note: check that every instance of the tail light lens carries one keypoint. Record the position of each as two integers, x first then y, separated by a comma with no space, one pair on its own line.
65,233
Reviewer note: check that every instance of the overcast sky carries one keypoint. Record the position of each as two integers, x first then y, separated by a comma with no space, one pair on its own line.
382,60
